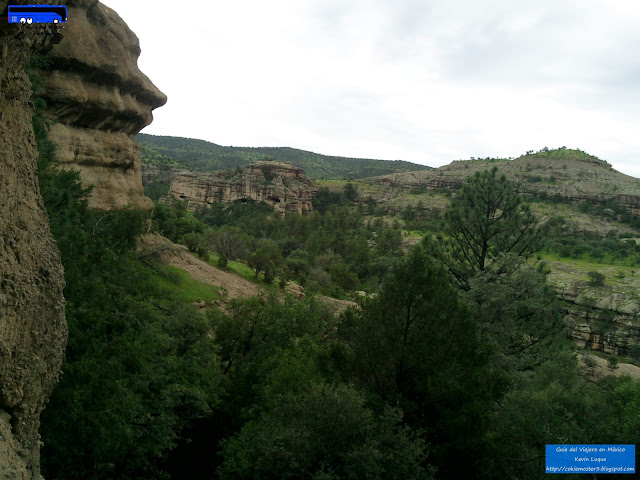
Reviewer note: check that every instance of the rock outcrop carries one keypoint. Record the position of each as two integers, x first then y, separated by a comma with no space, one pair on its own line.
282,185
33,331
606,322
98,100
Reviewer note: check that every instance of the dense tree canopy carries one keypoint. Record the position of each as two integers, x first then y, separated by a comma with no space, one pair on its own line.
416,345
517,312
325,433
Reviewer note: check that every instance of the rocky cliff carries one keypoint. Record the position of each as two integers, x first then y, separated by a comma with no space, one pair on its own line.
98,100
282,185
32,326
606,322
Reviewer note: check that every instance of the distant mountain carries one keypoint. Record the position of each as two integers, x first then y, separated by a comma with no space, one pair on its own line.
199,155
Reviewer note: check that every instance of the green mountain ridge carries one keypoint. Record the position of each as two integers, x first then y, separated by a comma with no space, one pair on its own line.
200,155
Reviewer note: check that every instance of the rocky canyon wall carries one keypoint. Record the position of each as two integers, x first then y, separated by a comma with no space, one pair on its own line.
282,185
605,322
32,326
98,100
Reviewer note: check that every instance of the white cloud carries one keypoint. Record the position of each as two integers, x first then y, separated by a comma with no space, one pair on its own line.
426,81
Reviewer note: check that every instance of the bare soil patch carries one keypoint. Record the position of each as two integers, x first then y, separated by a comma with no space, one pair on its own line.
601,369
236,287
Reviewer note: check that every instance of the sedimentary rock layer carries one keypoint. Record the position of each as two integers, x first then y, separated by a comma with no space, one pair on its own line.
572,180
606,322
282,185
98,100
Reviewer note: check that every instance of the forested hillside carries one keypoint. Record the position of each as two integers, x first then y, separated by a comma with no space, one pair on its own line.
206,157
458,366
588,212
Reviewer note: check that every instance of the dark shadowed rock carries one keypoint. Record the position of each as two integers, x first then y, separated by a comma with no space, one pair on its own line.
33,331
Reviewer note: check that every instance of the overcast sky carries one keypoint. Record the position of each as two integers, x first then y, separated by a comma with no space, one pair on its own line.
429,81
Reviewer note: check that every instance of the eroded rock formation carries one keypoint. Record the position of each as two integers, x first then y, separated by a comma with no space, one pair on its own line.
282,185
33,331
98,100
605,322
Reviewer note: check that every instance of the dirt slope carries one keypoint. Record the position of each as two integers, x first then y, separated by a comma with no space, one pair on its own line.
179,257
236,287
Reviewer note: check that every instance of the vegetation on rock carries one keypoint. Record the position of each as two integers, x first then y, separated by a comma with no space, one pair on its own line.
140,364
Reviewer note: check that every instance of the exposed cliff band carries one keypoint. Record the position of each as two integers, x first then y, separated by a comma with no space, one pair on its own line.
282,185
98,100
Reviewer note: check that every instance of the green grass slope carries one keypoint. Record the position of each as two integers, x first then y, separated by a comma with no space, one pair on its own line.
205,156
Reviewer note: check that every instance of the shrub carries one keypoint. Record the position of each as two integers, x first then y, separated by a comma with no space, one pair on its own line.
590,363
195,243
596,279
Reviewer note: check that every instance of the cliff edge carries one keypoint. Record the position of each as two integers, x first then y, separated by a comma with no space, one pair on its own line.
98,100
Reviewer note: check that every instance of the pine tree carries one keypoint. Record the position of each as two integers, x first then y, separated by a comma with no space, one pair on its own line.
487,219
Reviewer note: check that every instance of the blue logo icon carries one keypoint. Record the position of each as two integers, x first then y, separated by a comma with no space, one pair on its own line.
29,14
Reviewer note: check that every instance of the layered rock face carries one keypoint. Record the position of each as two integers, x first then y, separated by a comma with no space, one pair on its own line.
98,100
282,185
33,331
607,323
